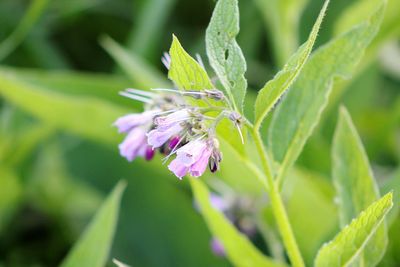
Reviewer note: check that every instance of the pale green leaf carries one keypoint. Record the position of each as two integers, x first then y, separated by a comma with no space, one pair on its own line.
139,71
224,54
274,89
347,246
86,116
240,251
299,113
356,13
93,247
186,72
355,184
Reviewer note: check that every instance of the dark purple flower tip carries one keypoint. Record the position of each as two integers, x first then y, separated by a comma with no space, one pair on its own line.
213,165
149,154
174,142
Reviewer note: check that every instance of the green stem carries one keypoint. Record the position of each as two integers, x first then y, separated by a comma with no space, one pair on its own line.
278,208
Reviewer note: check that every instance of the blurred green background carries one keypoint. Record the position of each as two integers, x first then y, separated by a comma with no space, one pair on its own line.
59,96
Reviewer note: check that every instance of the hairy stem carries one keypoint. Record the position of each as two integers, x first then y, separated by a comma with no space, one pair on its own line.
278,208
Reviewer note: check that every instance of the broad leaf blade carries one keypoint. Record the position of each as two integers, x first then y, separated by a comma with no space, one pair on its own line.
304,103
86,116
224,54
355,184
274,89
94,246
345,248
186,72
240,251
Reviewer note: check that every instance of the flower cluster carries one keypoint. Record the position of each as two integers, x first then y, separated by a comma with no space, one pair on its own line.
174,126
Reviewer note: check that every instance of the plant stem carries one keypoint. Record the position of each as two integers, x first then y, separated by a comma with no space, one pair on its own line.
278,208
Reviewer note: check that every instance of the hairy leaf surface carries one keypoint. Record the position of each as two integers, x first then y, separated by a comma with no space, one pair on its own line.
299,113
224,54
355,184
274,89
186,72
347,246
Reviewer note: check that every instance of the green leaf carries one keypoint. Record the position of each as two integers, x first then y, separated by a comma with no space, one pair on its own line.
357,12
299,113
151,21
224,54
274,89
186,72
93,247
143,74
355,184
26,24
11,193
347,246
240,251
86,116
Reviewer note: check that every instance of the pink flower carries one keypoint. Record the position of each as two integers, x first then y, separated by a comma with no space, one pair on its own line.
192,157
199,167
165,122
127,122
191,152
158,137
178,168
134,144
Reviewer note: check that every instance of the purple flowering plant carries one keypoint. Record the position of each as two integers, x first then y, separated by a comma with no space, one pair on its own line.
198,117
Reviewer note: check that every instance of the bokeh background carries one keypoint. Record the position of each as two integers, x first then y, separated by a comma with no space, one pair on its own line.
57,162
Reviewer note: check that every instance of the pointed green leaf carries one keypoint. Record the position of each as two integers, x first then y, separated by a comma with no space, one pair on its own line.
93,247
224,54
139,71
355,184
299,113
347,246
186,72
274,89
30,18
240,251
86,116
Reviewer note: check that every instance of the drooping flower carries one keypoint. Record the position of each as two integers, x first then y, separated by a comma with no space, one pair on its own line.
173,126
178,168
134,144
164,122
127,122
192,158
159,136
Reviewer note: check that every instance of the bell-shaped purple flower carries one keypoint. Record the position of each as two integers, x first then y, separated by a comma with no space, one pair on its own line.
157,137
165,122
134,144
128,122
191,152
198,168
178,168
192,157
